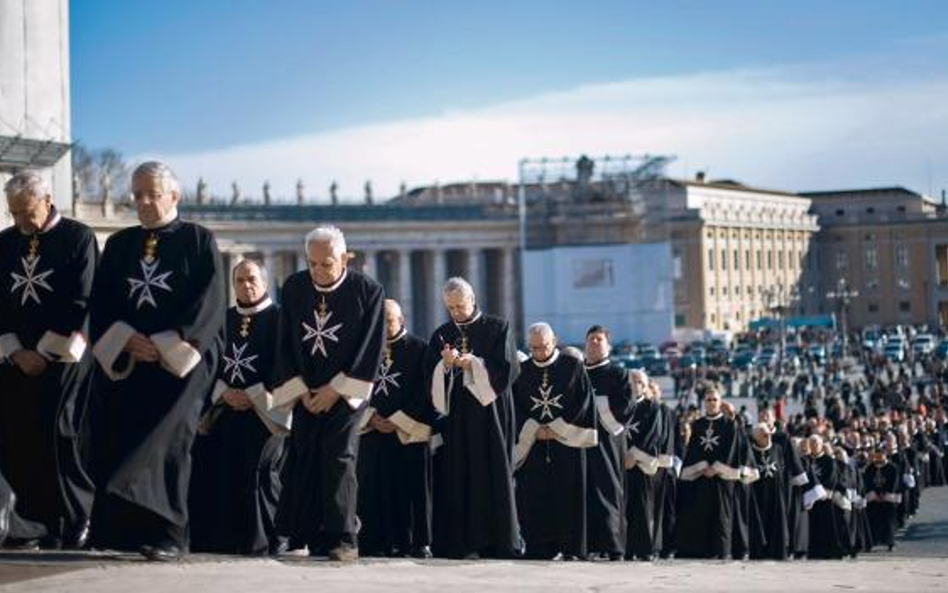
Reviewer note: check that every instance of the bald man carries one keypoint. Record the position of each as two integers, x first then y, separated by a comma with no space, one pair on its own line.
394,458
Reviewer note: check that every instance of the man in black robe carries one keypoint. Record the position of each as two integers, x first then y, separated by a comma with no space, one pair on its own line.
330,343
669,466
827,540
556,420
644,436
239,452
711,466
472,362
882,497
605,477
794,477
394,457
46,276
769,498
156,319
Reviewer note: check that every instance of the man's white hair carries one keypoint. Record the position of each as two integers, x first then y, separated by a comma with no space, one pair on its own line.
160,171
27,181
541,328
327,234
458,284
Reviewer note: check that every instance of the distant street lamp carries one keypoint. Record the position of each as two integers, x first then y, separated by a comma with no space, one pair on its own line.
780,302
843,295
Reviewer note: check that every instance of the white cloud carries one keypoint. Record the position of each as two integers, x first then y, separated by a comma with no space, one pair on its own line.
789,129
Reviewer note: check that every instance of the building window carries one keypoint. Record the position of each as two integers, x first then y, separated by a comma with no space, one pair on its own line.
780,260
872,284
905,307
724,259
737,260
711,291
758,259
712,318
901,255
737,289
873,308
870,210
872,259
711,259
747,259
770,260
841,260
840,212
724,291
900,209
679,320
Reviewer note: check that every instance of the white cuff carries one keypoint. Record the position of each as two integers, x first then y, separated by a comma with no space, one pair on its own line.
477,382
219,388
525,441
277,420
814,494
177,356
840,500
693,471
871,497
110,347
676,464
645,462
435,443
409,429
799,480
9,344
908,480
606,417
354,391
438,398
666,460
892,497
749,475
574,436
59,348
286,395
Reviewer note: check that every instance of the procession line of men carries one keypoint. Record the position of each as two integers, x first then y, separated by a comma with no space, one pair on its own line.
138,412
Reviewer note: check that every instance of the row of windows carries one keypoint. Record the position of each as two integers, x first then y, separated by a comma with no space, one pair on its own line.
791,258
871,258
871,308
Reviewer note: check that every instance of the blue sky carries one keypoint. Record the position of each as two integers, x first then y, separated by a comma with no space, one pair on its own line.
234,89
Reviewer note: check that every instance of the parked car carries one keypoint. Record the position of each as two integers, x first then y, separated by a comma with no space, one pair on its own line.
657,367
941,350
817,352
894,351
923,344
744,359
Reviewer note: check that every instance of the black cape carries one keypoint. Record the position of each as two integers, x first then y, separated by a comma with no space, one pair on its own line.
43,308
235,485
647,445
332,335
474,506
551,475
147,413
395,468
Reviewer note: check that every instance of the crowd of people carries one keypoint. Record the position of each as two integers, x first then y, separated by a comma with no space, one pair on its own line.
138,412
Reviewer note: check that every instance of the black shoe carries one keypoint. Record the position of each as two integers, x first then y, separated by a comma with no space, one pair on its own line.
279,547
616,556
423,552
162,552
23,545
78,538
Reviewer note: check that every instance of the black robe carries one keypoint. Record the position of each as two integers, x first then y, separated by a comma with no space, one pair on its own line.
235,485
666,492
551,475
395,468
43,305
883,496
645,436
605,477
474,505
769,500
828,540
795,480
147,413
339,344
704,526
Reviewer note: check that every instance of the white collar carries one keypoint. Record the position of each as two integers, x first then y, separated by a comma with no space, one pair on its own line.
715,417
260,306
52,222
477,315
548,361
334,285
164,221
601,363
767,448
401,334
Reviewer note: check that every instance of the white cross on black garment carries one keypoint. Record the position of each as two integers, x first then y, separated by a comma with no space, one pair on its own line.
321,334
235,364
386,379
30,280
150,279
709,440
547,401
